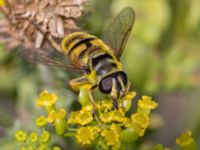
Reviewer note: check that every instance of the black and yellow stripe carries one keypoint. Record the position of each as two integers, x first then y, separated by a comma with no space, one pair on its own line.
103,63
87,51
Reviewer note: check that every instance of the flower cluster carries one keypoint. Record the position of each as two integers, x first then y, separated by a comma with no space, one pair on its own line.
99,123
34,141
186,142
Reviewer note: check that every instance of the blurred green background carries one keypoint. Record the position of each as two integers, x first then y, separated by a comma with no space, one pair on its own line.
162,59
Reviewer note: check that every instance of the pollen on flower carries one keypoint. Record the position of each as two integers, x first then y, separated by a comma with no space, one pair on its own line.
111,135
185,139
21,136
85,135
46,99
56,115
41,121
147,103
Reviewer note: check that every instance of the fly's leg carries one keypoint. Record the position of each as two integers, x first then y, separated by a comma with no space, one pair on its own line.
115,103
85,88
80,82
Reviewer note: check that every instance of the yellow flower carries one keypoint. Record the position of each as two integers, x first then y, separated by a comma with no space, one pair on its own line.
118,115
80,117
140,119
85,117
85,135
2,3
21,136
74,117
129,95
46,99
139,122
126,122
104,105
106,117
45,137
115,115
33,137
147,103
41,121
185,139
138,129
56,115
111,135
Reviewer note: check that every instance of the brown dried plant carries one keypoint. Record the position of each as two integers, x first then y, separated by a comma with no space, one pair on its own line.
37,23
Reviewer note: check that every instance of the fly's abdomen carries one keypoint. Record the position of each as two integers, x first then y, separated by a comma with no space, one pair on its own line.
79,46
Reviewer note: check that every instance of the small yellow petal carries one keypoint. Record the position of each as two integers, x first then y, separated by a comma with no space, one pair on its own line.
130,95
80,117
55,115
111,135
21,136
85,135
46,99
147,103
140,119
41,121
33,137
185,139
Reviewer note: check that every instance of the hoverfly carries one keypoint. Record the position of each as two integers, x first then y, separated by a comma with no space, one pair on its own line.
98,60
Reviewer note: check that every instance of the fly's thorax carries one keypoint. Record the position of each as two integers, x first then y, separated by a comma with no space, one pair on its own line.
103,63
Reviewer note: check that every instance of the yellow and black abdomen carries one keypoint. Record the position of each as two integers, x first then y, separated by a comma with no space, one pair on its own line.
76,47
87,51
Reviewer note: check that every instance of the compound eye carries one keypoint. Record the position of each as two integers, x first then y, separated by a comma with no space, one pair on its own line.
105,85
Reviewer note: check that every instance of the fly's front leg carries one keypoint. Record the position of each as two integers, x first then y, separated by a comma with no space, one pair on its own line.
85,88
80,82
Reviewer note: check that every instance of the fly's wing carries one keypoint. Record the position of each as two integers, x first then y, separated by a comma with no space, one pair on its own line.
47,57
117,33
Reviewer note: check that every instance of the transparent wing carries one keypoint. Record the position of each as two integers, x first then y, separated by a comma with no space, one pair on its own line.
47,57
117,33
